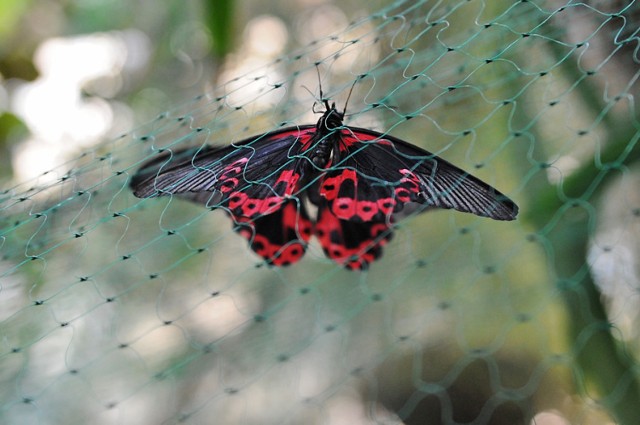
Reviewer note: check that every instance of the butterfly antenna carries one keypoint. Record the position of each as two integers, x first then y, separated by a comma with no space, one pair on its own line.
313,108
344,111
319,82
322,99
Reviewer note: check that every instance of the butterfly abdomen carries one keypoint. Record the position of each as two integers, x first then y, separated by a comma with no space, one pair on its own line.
322,154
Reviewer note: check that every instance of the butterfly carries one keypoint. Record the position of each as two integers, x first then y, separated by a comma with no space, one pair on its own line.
360,181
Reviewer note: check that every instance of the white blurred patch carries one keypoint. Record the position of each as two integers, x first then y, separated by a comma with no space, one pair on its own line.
61,118
264,39
549,417
266,36
614,252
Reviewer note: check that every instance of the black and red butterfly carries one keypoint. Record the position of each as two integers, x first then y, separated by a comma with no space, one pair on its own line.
360,181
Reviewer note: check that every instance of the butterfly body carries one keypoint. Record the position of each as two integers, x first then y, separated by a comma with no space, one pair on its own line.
360,181
325,136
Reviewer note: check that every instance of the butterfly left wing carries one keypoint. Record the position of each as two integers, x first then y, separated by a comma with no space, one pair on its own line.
256,181
281,237
375,176
249,178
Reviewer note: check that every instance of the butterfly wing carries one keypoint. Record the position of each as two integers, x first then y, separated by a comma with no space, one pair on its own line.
250,178
280,237
353,244
375,176
256,181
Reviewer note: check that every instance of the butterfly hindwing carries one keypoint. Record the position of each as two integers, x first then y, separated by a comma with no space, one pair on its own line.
280,237
353,244
376,176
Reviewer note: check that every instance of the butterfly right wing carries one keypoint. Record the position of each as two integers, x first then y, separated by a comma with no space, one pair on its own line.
376,179
375,176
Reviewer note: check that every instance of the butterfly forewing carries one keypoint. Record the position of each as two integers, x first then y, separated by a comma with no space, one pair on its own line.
250,178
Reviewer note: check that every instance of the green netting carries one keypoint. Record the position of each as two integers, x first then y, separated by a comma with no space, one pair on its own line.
120,310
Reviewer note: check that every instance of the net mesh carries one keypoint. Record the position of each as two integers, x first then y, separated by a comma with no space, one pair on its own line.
115,309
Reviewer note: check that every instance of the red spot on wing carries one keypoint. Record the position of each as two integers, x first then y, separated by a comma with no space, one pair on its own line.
231,174
280,237
351,137
331,185
341,192
303,136
386,206
236,201
352,244
241,205
366,210
290,180
409,186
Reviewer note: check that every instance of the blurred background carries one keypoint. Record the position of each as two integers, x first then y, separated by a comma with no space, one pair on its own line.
120,310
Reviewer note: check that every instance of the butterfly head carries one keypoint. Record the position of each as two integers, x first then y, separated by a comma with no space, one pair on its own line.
331,119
